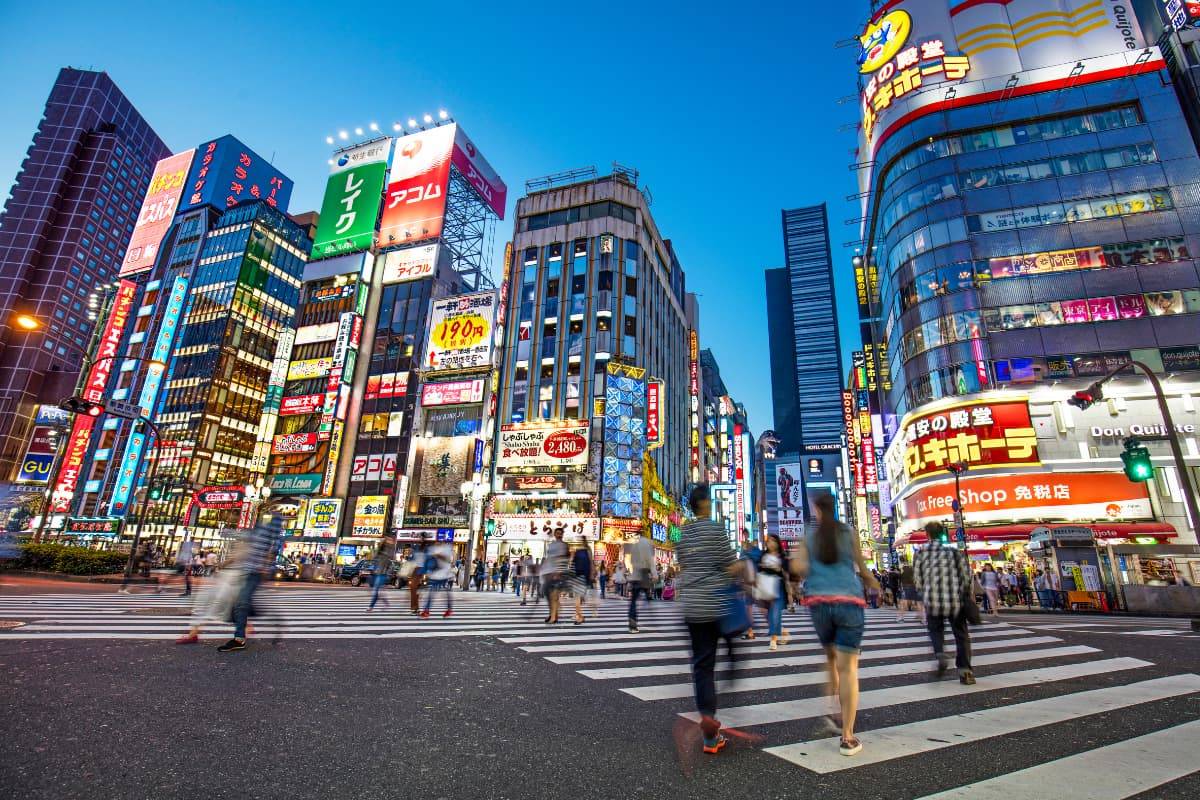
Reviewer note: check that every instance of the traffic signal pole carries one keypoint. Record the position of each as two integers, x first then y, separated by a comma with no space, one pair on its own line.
1189,491
137,535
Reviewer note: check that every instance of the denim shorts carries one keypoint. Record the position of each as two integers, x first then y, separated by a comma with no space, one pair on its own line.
838,624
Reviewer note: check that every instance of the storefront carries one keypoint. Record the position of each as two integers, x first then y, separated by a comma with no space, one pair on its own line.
524,525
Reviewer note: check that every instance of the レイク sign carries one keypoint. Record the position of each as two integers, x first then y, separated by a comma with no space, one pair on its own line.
351,204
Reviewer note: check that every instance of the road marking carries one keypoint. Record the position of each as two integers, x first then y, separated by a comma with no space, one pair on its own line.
780,659
1112,772
885,744
788,710
767,683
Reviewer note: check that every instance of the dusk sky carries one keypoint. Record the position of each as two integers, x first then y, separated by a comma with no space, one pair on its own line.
729,113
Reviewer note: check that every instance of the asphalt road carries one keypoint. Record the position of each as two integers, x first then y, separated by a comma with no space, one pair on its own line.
472,717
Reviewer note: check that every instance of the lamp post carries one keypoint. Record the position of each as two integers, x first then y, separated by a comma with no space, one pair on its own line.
473,492
137,534
960,528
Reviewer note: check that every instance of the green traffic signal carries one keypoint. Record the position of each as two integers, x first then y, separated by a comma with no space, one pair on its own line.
1138,467
156,493
489,528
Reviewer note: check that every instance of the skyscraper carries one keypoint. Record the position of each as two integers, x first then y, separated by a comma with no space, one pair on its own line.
63,232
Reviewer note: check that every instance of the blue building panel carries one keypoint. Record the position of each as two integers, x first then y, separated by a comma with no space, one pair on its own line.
226,172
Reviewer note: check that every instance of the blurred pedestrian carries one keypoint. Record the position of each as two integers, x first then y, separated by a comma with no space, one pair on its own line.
554,573
529,579
618,579
439,570
581,569
379,579
943,575
504,571
770,590
602,577
991,588
831,562
708,568
480,574
259,546
910,599
641,561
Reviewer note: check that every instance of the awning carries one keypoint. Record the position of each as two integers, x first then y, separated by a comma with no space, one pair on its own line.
1019,532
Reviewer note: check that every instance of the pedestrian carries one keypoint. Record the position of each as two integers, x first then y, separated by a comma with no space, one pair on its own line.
830,560
440,572
943,575
658,582
769,589
379,579
210,562
581,569
603,578
480,572
529,579
708,569
991,588
183,560
412,572
1041,582
619,579
554,574
910,599
258,551
504,570
1023,589
641,560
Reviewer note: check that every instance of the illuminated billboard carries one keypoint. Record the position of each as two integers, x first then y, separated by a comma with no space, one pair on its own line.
478,172
225,172
351,204
414,205
918,57
158,209
460,332
543,446
410,264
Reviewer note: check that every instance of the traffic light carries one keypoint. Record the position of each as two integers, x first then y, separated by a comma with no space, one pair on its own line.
156,492
77,405
489,528
1086,398
1138,467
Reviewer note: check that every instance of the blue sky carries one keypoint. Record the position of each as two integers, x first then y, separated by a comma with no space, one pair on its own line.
728,112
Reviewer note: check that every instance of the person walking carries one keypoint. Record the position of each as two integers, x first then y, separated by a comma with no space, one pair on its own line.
708,567
619,579
480,573
554,573
770,589
991,587
210,562
910,599
505,567
602,576
529,579
943,576
258,553
413,571
438,566
831,562
641,560
581,582
379,579
1041,582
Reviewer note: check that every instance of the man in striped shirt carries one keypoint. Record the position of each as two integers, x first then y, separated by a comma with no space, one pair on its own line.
943,576
707,564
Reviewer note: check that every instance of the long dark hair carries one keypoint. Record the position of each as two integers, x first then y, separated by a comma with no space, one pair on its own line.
827,532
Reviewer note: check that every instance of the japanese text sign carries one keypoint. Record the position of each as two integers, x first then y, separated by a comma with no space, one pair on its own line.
979,434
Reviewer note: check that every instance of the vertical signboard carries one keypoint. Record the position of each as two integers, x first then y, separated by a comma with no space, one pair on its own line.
161,351
694,402
225,172
351,204
414,207
93,390
158,209
740,478
654,413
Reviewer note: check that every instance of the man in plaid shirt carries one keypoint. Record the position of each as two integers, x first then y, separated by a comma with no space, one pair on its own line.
943,576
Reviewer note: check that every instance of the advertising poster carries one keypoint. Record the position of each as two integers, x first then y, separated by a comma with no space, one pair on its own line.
789,492
351,204
225,172
324,515
460,332
389,384
370,515
543,446
445,464
414,206
157,212
410,264
654,413
575,529
1074,496
309,368
449,393
478,172
294,443
979,434
301,404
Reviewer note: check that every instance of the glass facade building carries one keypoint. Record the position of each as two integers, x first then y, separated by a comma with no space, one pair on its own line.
806,357
63,233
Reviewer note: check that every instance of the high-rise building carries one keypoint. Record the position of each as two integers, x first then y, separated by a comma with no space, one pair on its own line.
596,367
63,233
1029,210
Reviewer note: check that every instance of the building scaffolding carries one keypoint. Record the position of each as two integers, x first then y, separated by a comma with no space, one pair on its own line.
468,232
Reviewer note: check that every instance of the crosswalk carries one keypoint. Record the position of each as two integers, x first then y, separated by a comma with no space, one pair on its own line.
1032,684
1118,626
1029,686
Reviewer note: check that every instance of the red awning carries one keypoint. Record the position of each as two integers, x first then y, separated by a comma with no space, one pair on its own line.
1020,531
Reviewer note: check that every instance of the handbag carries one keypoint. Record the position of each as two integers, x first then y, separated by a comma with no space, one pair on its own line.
735,616
408,569
766,587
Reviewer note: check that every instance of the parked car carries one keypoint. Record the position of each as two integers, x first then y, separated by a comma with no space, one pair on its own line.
360,572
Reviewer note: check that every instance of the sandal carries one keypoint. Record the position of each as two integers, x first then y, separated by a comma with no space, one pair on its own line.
850,747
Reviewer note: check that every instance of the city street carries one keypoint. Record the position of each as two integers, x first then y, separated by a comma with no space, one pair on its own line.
493,703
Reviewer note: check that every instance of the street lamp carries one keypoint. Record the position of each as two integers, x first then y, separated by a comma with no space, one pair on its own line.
960,528
28,322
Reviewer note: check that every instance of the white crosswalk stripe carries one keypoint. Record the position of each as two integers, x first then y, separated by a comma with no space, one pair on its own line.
769,690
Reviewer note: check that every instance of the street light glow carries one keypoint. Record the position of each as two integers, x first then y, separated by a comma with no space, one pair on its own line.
428,119
442,114
328,140
343,135
412,123
28,322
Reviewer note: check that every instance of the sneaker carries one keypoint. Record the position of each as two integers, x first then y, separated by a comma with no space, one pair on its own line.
634,629
187,638
943,664
123,590
448,613
425,614
774,644
966,677
231,645
850,747
787,637
370,610
715,745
